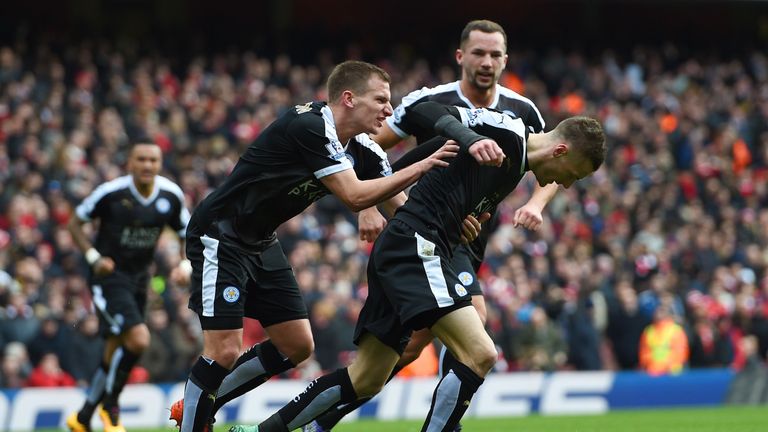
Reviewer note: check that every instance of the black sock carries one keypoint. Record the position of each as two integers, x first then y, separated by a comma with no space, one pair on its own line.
252,369
200,393
447,360
320,395
95,394
333,416
451,398
122,362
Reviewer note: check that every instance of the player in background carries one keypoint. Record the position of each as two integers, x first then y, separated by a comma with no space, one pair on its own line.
132,211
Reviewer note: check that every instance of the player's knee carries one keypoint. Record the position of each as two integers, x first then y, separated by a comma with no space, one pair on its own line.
368,386
408,357
225,356
485,358
298,349
137,339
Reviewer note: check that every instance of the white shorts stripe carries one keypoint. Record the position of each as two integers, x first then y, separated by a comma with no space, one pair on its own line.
434,270
210,273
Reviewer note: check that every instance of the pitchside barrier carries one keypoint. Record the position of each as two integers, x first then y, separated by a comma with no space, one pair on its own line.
513,394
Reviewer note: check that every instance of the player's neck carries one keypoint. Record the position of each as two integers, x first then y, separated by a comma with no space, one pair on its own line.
480,98
535,149
344,129
144,190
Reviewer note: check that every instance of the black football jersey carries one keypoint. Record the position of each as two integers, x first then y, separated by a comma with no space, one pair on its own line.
507,101
279,175
443,197
129,223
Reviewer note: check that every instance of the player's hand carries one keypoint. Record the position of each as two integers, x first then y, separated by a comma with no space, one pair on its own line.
103,266
487,152
528,216
471,227
449,150
181,275
370,223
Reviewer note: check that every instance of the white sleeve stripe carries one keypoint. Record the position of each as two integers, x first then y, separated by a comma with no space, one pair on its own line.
86,207
511,94
399,132
333,169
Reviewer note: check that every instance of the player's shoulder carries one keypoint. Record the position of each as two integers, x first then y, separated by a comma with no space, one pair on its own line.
168,185
314,116
430,93
367,143
509,94
112,186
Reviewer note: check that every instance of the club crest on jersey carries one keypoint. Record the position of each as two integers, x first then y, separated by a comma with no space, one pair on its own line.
460,290
231,294
466,278
163,205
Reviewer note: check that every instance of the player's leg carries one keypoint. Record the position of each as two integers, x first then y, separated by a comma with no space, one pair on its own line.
133,343
289,344
364,377
465,263
462,332
419,340
80,421
275,300
446,358
218,282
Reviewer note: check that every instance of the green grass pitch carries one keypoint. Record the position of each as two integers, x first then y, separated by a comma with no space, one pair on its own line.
715,419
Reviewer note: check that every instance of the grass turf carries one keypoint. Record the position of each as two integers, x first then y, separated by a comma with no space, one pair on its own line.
715,419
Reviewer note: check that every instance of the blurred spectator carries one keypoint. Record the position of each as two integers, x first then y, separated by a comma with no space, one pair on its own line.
84,353
625,326
663,344
541,346
16,366
48,373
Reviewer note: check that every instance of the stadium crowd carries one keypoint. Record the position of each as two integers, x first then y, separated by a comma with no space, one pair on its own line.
675,224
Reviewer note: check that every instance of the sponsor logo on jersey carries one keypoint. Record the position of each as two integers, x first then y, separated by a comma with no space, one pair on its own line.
231,294
398,114
163,205
301,109
386,168
460,290
466,278
473,116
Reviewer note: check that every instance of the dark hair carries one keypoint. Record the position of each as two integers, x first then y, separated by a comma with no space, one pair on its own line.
485,26
586,136
353,75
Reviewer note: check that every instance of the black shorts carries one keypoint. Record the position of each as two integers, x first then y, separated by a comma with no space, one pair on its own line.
462,263
410,286
229,283
120,300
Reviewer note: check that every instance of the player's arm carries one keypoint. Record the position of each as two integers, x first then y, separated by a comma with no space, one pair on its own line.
371,221
101,265
359,194
445,121
530,214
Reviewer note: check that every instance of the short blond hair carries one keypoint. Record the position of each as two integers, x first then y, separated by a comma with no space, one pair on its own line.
353,75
